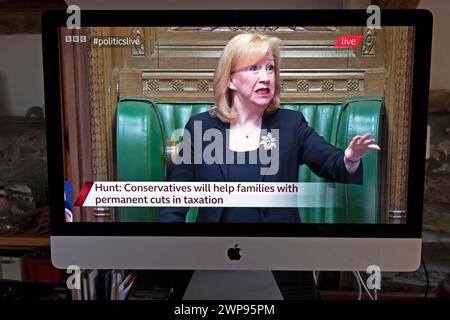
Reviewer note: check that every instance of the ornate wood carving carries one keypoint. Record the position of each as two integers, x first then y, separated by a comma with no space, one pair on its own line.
302,86
188,84
257,29
151,85
399,110
353,85
327,85
137,50
178,85
369,42
97,105
203,85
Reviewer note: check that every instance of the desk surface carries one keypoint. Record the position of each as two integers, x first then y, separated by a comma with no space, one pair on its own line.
24,240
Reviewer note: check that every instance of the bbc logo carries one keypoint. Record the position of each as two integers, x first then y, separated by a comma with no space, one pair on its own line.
76,39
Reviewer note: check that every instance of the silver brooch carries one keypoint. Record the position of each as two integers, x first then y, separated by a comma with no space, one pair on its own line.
268,142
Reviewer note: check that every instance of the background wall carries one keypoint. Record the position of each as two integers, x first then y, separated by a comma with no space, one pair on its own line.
21,73
207,4
440,63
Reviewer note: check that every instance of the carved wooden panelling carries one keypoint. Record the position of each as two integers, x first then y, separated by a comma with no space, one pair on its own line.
181,84
98,110
175,50
398,102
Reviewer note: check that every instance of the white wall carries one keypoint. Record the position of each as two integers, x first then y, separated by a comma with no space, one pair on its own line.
21,73
440,61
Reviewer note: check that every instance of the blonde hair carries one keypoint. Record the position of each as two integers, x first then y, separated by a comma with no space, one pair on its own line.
242,51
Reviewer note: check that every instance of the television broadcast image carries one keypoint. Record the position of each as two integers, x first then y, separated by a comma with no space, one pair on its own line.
206,155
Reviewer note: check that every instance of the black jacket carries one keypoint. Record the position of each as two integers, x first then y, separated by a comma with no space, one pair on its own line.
297,144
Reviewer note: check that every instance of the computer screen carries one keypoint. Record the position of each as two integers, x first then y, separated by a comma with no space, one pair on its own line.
237,139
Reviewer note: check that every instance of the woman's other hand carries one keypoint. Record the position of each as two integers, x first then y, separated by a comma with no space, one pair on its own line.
358,148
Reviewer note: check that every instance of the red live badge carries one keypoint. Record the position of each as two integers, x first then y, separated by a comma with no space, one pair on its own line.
348,41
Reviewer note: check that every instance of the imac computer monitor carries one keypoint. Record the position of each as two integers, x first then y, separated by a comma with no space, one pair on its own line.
236,140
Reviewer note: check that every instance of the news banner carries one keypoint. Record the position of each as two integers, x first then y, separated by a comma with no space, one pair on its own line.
204,194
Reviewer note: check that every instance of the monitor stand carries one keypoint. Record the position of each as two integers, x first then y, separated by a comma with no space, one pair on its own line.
232,285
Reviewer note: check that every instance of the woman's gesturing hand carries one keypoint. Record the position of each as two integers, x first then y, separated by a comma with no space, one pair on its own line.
360,146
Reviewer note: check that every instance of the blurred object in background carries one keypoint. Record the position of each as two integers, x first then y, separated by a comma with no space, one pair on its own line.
35,112
36,221
16,201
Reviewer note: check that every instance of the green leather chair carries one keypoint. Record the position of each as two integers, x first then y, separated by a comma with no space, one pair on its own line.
144,128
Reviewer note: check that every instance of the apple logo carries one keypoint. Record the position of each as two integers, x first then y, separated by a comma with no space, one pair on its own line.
233,253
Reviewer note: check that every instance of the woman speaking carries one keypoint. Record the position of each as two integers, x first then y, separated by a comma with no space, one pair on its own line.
247,113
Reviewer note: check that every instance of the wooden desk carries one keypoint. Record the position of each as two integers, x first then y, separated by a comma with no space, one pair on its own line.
24,240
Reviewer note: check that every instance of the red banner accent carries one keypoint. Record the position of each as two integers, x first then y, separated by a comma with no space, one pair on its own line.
348,41
83,193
